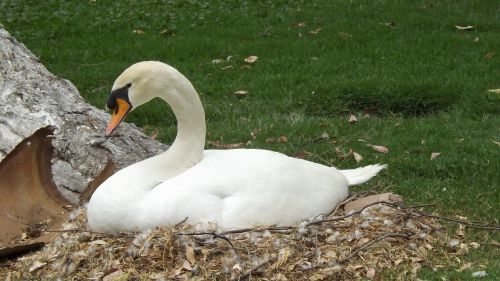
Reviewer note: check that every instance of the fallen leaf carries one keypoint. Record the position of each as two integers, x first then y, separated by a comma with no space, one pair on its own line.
282,139
495,91
454,243
227,67
302,154
434,155
474,245
117,275
465,266
240,94
299,25
345,35
98,242
217,61
270,140
186,265
379,148
36,265
237,267
476,39
190,254
316,31
279,277
218,144
251,59
352,119
464,27
479,274
167,32
154,134
138,31
390,24
489,55
370,273
398,261
357,157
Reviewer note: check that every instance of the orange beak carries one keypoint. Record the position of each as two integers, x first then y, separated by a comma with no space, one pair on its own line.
121,110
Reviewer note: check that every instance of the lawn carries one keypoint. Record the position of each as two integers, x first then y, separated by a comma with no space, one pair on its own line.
413,73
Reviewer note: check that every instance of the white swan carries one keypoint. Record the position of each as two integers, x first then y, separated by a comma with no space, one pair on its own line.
230,188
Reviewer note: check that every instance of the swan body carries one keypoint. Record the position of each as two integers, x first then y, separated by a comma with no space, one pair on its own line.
214,188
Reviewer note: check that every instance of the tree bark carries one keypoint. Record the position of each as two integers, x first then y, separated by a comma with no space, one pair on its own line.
32,98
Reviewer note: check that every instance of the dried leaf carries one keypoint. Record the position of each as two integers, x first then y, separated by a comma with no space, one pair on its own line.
379,148
217,61
352,119
251,59
474,245
186,265
465,266
370,273
357,157
36,265
299,25
495,91
398,261
279,277
464,27
282,139
218,144
237,267
117,275
434,155
270,140
316,31
302,154
167,32
98,242
138,31
190,255
489,55
240,94
479,274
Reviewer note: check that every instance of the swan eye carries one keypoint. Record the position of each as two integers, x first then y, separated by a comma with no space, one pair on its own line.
129,85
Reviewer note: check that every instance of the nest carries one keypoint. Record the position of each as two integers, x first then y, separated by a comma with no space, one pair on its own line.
379,238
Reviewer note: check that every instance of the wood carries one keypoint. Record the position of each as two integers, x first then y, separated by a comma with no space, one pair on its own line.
27,194
359,204
32,98
53,150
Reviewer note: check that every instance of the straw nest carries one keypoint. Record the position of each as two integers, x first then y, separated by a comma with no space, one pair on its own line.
382,238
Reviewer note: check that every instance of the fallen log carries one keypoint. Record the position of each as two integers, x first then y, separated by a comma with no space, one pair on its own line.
31,98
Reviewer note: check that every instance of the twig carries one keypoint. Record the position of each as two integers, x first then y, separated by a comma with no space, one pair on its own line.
261,229
247,273
368,244
16,219
121,234
345,216
467,224
219,236
361,248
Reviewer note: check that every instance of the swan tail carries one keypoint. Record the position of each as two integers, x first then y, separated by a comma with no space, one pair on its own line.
363,174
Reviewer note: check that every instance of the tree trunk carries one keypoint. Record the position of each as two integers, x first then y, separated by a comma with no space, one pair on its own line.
32,98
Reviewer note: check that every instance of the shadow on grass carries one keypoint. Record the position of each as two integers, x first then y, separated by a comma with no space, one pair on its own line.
370,97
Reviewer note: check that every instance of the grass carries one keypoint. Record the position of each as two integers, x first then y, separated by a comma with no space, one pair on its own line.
423,82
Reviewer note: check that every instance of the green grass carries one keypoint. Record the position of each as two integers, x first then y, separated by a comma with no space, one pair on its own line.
423,81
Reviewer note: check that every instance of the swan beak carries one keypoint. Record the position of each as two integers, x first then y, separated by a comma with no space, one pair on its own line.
121,110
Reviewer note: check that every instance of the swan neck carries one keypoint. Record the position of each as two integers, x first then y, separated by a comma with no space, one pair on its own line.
189,143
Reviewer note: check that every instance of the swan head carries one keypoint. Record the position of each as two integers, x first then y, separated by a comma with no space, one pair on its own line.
137,85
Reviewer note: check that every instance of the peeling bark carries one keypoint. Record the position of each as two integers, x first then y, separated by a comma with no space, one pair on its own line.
32,98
